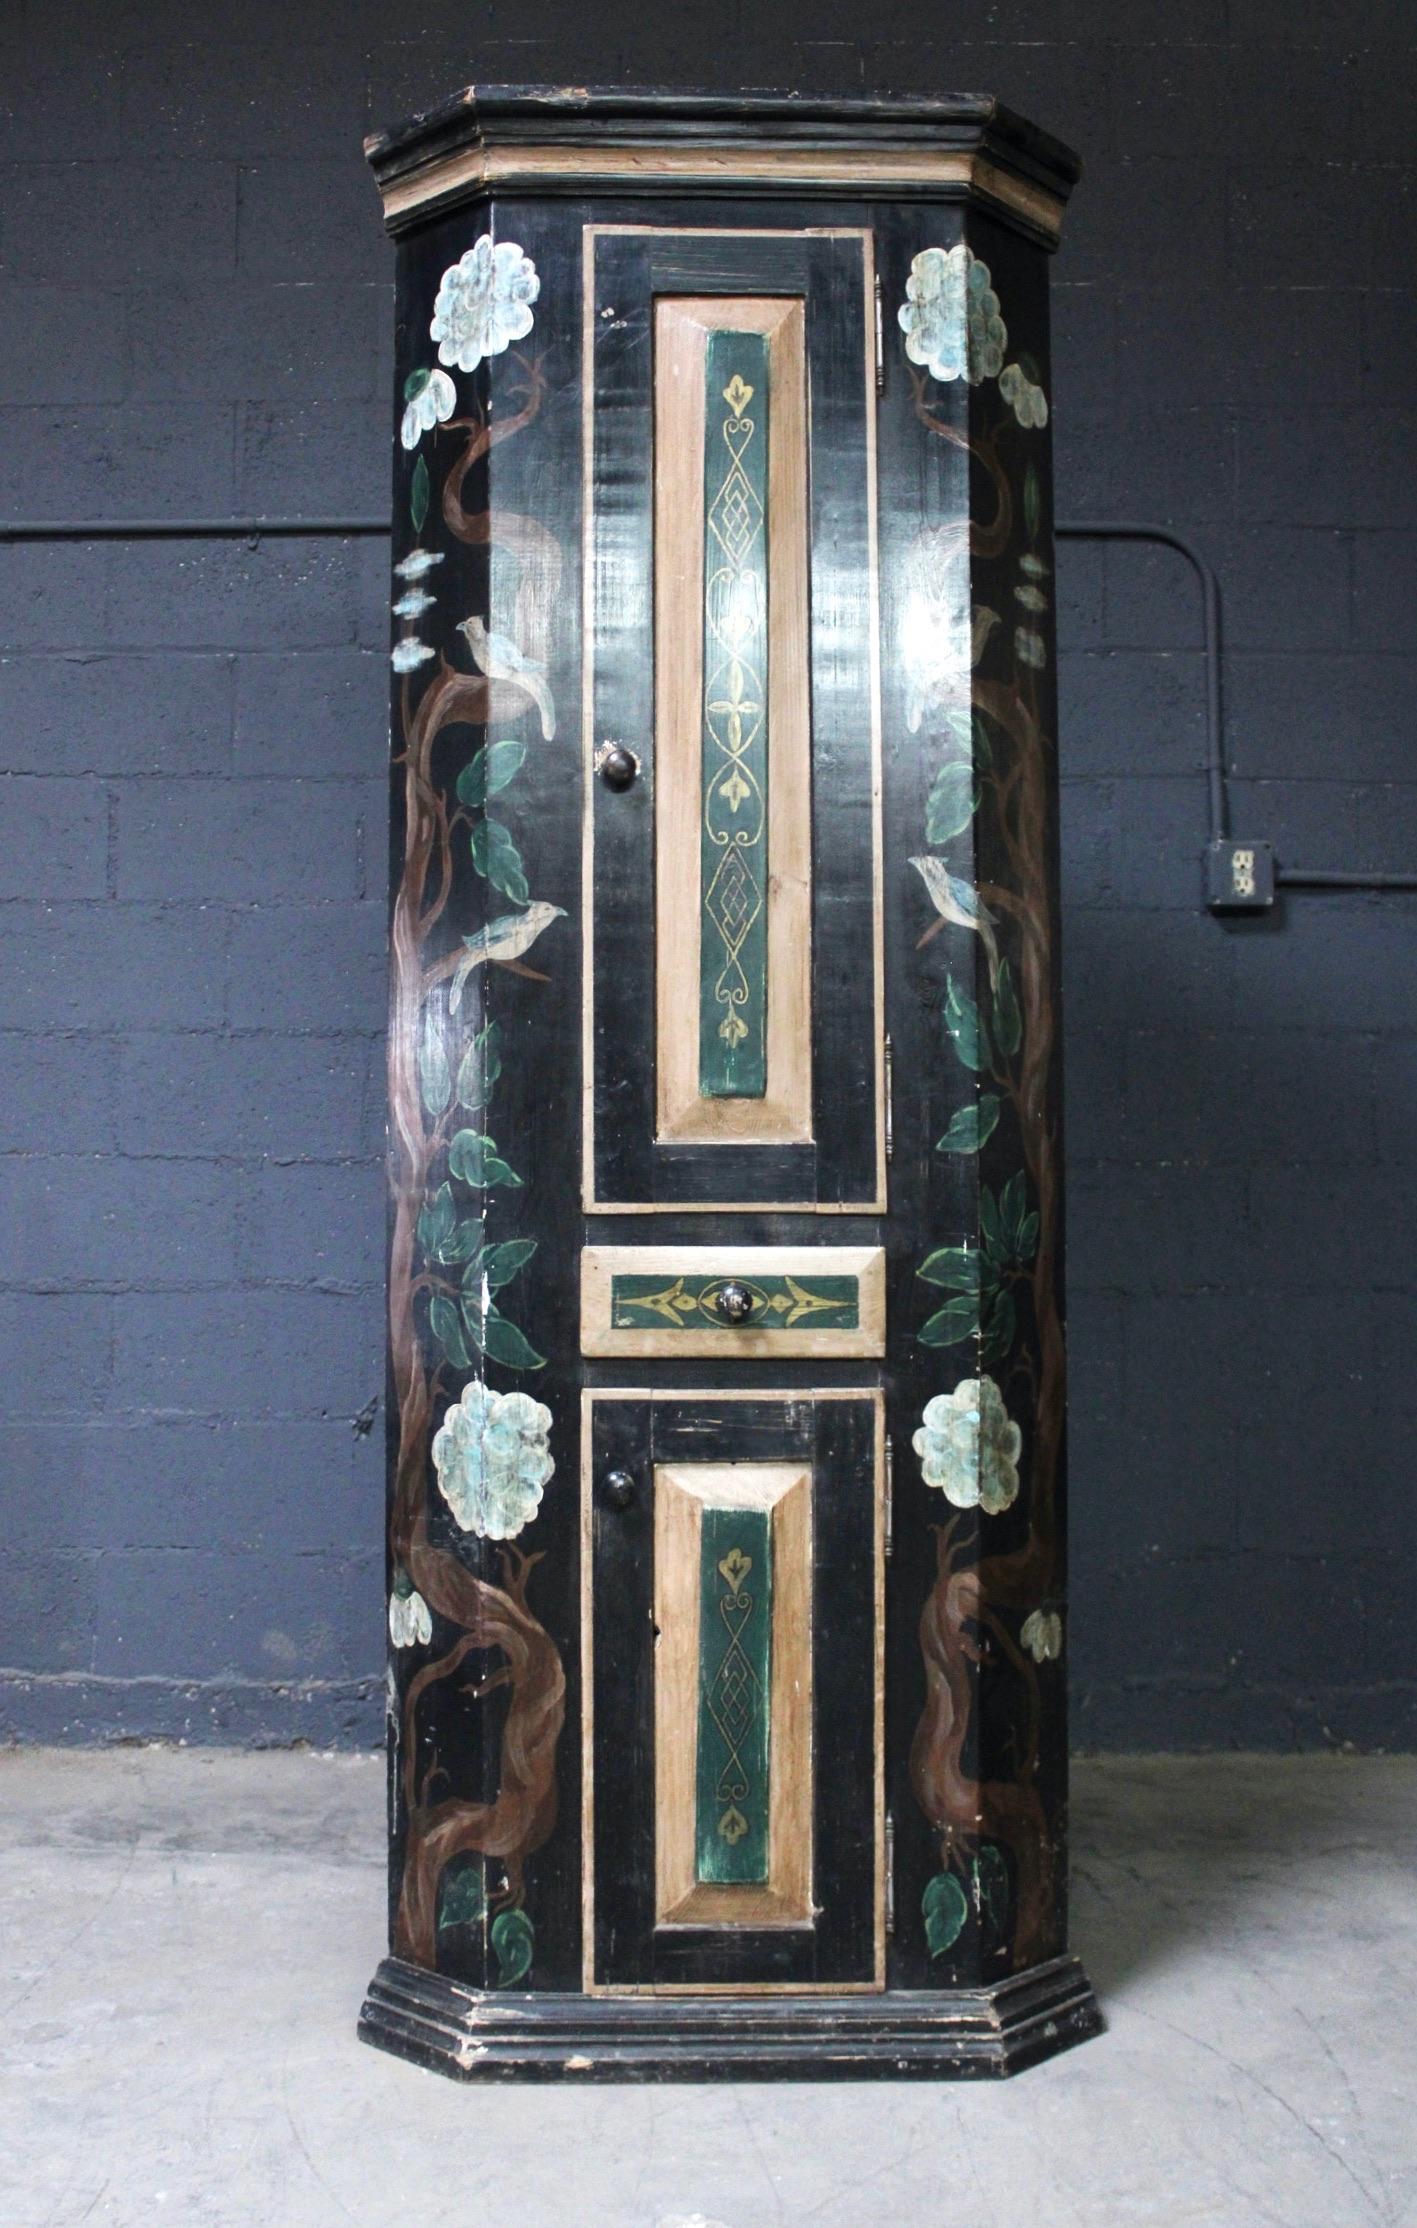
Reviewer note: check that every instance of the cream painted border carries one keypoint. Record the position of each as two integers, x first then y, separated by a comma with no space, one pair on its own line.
599,1337
486,169
590,233
590,1985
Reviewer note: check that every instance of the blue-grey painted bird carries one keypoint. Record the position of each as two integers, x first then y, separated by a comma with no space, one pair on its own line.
501,942
960,902
498,657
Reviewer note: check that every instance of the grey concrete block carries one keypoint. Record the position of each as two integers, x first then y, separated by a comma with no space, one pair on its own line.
311,221
214,595
58,1349
247,1097
53,838
320,967
39,362
134,460
318,712
57,1087
286,462
275,340
1292,716
1283,587
313,1225
210,1614
71,1220
1385,592
52,596
246,1355
260,95
1132,712
105,713
50,1595
138,217
235,840
111,967
1330,468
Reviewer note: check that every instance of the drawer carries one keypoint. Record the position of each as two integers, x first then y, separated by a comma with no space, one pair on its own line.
733,1302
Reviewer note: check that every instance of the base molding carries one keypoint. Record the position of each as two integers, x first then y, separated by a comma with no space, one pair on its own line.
956,2034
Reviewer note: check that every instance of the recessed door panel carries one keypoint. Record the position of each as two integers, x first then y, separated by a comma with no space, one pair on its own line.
733,978
733,1821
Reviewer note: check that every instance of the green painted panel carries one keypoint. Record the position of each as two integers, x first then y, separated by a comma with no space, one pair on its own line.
780,1303
735,1696
733,965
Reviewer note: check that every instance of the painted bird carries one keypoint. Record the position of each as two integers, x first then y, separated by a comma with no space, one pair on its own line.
502,943
498,657
959,902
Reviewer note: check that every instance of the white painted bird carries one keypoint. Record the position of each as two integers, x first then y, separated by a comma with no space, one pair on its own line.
960,902
498,657
502,942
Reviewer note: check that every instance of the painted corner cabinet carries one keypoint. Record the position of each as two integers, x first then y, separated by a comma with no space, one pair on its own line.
726,1603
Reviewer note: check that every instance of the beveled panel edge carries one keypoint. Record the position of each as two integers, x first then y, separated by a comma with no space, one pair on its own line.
600,1341
579,139
591,1395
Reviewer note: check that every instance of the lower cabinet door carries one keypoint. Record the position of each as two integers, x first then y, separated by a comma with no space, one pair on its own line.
734,1819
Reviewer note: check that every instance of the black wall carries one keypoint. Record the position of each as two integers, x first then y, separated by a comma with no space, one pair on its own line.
195,309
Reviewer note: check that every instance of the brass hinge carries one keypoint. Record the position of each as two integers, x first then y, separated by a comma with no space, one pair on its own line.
890,1497
880,339
890,1874
890,1099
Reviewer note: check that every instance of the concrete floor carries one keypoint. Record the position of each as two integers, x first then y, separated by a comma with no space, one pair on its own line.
187,1936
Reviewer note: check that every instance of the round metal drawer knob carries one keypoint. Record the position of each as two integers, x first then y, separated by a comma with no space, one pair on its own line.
617,766
619,1488
734,1302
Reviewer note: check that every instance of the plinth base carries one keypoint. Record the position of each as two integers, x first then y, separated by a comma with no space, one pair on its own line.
961,2034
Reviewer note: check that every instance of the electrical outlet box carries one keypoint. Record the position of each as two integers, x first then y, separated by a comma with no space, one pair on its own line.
1239,876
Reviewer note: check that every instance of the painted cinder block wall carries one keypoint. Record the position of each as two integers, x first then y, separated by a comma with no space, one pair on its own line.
195,312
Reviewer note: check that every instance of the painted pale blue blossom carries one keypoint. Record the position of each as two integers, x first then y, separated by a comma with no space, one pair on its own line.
408,655
484,303
492,1460
969,1447
410,1624
417,563
430,398
951,318
1042,1635
1028,403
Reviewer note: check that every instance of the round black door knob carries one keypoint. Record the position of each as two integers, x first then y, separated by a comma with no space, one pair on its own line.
618,766
734,1302
619,1488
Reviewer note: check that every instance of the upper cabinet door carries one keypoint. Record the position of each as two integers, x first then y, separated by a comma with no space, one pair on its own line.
733,982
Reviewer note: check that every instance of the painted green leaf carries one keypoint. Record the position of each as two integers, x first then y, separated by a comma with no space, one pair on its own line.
496,856
983,748
464,1242
946,1909
999,1332
488,771
1013,1206
418,494
434,1079
480,1067
952,801
961,728
1008,1021
501,1341
415,383
1028,1237
474,1159
972,1125
1031,506
447,1329
513,1940
436,1220
991,1886
956,1267
462,1897
965,1024
991,1230
500,1263
957,1319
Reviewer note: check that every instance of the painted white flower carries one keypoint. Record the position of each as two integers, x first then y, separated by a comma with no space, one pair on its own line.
408,655
417,563
1030,647
1042,1635
429,399
1028,403
484,303
950,316
410,1625
413,603
492,1460
969,1446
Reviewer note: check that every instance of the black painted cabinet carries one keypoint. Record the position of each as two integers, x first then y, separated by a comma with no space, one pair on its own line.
726,1397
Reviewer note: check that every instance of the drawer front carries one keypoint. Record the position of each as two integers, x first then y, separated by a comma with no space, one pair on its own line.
732,1564
733,1303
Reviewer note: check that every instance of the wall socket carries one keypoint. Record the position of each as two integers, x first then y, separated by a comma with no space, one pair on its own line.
1239,876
